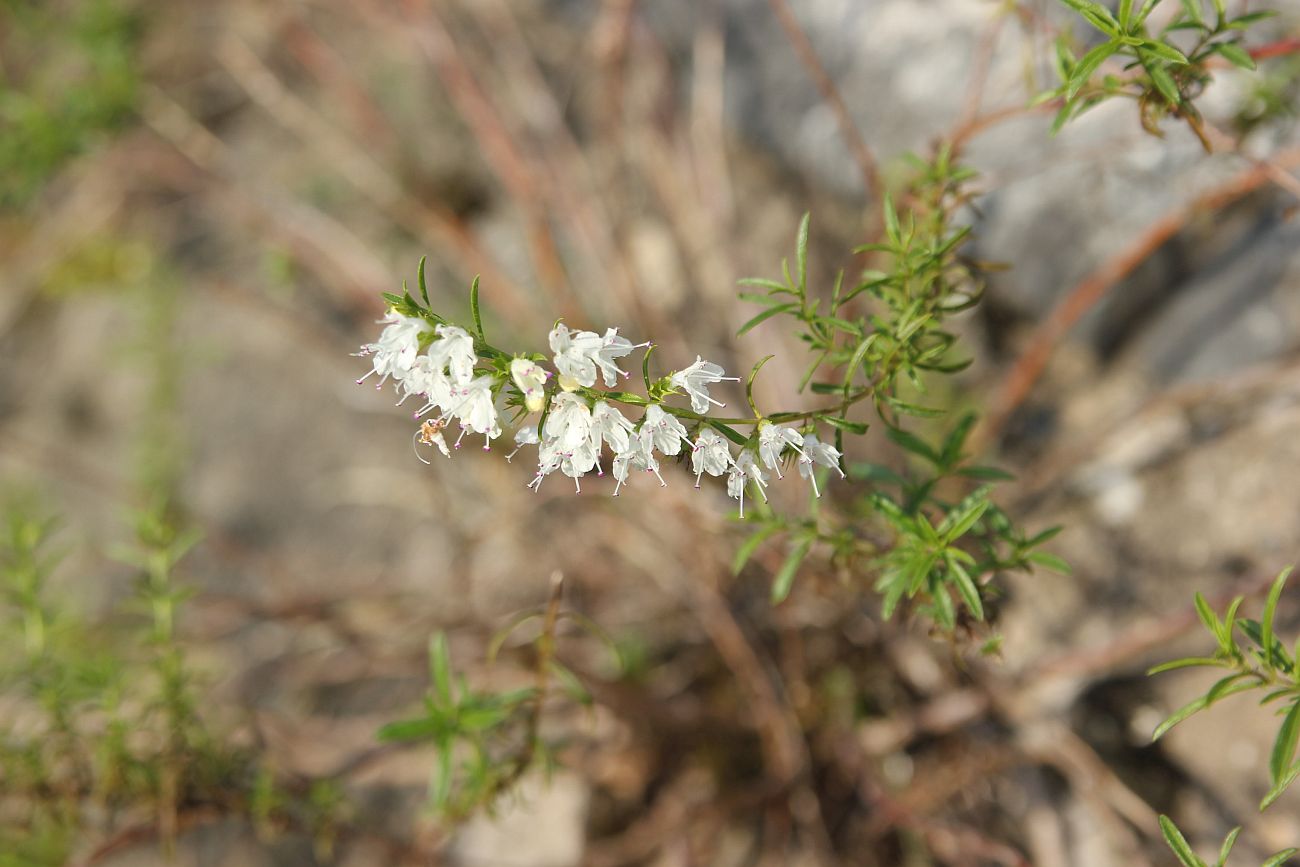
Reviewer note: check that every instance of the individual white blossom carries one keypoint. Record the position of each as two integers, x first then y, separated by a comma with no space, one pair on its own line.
428,381
525,436
453,351
579,354
568,423
531,378
710,454
397,347
575,355
475,406
612,346
610,426
772,440
666,432
638,456
742,471
696,379
816,451
573,462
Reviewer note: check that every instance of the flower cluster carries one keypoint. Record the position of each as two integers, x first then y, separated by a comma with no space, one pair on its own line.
464,381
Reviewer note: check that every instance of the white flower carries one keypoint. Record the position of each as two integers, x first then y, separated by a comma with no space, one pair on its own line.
525,436
578,354
574,463
709,454
640,456
569,422
474,404
454,351
815,451
666,431
742,471
772,440
695,380
427,380
395,350
575,355
608,424
531,379
612,346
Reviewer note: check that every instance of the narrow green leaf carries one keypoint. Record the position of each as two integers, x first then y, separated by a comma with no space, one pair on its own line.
474,309
964,515
1050,561
750,545
1193,10
1165,51
645,366
1280,786
911,443
891,221
853,427
970,593
1147,8
763,283
801,252
1208,617
1175,840
1235,54
1284,745
749,382
408,730
1270,611
424,289
1125,14
1241,22
440,784
768,314
1164,82
987,474
440,668
1280,858
1187,662
785,576
1227,846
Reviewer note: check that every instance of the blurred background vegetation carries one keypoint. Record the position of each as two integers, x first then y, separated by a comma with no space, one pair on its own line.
222,565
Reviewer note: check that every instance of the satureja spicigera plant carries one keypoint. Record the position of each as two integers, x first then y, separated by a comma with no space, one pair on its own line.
929,535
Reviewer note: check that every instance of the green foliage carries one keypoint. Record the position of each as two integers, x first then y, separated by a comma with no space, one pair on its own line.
1188,858
1261,662
1162,77
947,540
105,719
70,74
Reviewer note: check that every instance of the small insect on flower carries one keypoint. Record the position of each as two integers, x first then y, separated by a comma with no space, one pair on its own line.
430,434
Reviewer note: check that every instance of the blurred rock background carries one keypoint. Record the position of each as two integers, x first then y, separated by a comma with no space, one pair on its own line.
203,201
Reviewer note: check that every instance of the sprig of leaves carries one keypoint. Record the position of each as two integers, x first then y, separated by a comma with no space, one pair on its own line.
1161,76
1260,662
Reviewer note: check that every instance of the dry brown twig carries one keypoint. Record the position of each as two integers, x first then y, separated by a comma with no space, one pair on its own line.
1020,378
861,153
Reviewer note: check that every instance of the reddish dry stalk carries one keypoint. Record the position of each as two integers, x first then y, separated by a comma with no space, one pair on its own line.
499,150
1025,372
857,145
